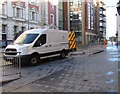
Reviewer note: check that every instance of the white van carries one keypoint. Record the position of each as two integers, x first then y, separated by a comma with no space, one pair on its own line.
36,44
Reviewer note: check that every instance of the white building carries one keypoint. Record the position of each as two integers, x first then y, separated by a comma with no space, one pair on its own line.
14,17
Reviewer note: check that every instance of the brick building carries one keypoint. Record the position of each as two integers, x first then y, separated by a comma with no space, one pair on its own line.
49,13
101,19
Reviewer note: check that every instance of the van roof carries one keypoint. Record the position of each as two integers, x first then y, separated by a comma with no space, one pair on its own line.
35,30
40,30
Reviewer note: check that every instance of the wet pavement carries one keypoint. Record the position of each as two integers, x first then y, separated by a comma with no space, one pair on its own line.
94,73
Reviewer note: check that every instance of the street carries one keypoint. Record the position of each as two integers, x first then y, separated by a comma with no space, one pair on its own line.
76,73
83,35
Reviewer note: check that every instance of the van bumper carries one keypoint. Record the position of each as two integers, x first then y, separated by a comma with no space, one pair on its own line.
24,59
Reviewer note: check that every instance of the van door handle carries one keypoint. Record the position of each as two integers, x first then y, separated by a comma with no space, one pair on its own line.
49,45
46,46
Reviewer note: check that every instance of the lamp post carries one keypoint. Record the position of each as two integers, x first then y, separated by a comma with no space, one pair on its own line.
28,15
117,38
118,7
118,23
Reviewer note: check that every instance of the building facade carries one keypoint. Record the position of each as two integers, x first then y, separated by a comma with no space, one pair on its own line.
90,21
83,21
101,19
49,13
66,18
60,16
75,14
17,16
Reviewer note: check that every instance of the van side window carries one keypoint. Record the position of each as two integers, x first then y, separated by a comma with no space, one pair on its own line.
41,40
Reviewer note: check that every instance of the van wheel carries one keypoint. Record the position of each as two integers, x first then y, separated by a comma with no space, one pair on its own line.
62,54
34,60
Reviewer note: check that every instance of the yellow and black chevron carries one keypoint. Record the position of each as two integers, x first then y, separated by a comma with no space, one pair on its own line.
72,40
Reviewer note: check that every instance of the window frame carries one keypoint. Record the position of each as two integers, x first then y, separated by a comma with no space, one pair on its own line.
17,12
38,42
52,18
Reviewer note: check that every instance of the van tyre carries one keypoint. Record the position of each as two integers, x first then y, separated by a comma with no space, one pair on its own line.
62,54
34,60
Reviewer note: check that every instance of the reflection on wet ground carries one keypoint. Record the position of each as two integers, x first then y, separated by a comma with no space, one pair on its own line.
110,81
118,70
112,47
110,73
114,59
116,56
113,50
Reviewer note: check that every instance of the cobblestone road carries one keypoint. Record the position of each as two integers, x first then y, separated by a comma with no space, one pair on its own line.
95,73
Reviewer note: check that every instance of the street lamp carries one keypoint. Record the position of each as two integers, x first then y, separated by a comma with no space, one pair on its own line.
118,23
117,38
118,7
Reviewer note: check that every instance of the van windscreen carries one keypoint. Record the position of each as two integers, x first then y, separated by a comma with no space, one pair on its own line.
25,38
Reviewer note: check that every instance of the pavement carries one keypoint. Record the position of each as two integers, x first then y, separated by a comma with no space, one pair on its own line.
83,73
93,49
88,51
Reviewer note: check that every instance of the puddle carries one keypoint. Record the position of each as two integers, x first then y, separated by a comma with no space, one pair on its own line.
114,59
116,56
112,48
110,73
110,81
111,91
118,70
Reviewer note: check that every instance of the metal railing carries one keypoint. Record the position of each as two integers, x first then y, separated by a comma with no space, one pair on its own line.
10,65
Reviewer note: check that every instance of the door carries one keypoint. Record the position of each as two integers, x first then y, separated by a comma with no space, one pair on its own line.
40,45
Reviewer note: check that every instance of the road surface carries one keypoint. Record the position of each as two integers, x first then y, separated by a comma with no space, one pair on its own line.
87,73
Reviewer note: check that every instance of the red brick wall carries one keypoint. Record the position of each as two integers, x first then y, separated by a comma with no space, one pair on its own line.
51,11
65,14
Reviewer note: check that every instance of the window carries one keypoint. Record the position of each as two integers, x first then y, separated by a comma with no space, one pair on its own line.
71,3
18,12
4,9
41,41
22,29
15,31
79,3
22,13
26,38
75,16
14,11
51,4
4,29
52,19
33,16
4,37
